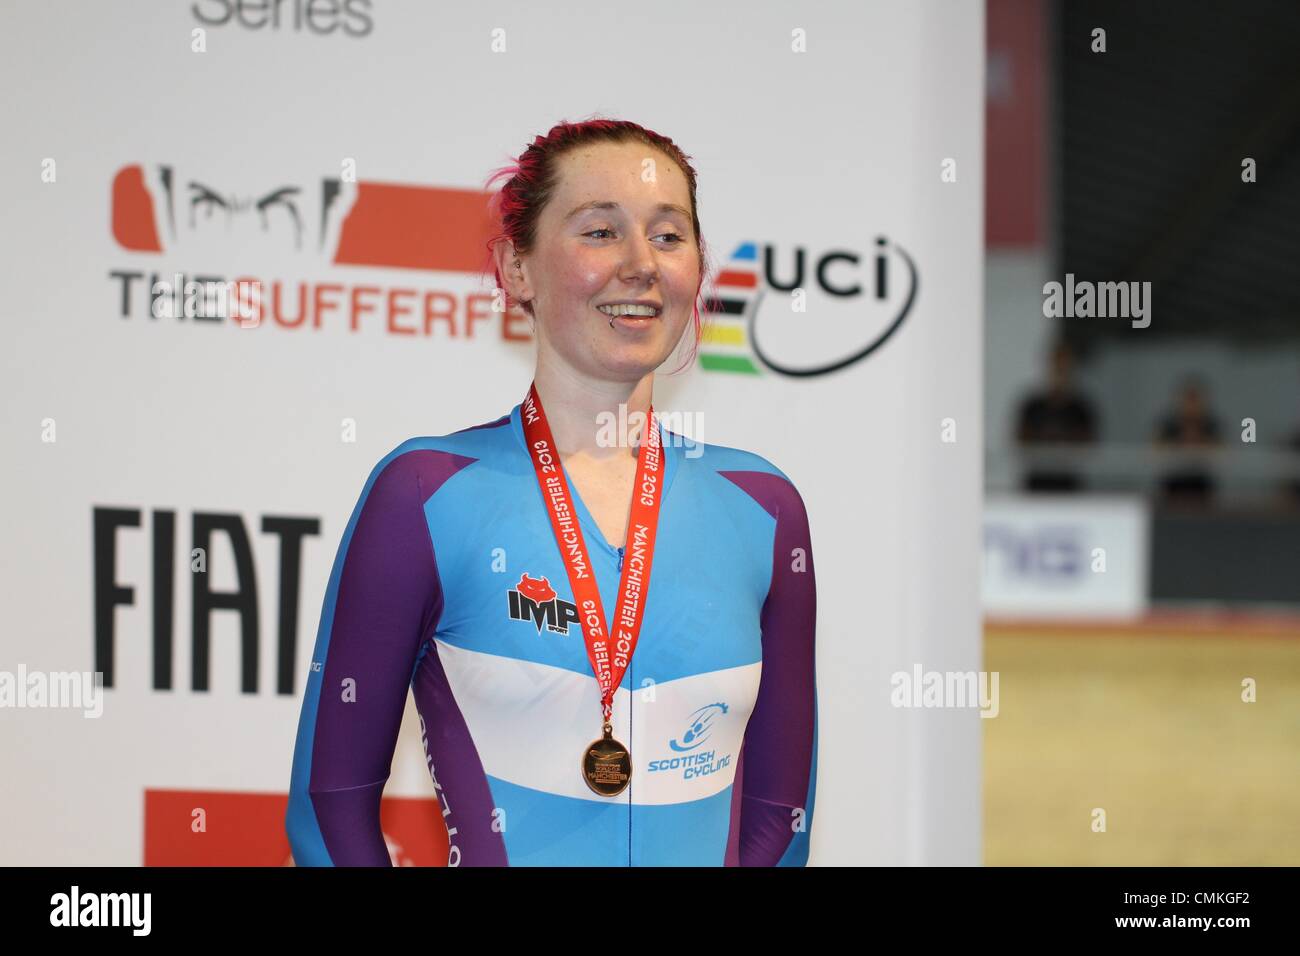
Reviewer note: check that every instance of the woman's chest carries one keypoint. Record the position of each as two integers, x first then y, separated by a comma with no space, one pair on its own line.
606,491
507,591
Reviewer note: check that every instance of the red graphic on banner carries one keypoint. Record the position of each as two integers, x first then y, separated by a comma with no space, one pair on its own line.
213,828
390,224
134,225
416,227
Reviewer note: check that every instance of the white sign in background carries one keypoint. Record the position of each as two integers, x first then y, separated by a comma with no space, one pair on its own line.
824,150
1066,556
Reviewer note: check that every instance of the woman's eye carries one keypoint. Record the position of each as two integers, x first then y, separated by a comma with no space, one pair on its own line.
674,235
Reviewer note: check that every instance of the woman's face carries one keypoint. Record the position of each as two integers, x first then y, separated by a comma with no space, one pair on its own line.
637,245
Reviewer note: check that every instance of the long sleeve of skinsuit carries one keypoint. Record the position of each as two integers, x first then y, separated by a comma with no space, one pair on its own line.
779,758
381,603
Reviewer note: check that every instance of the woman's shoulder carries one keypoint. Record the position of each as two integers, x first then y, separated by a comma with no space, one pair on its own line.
756,475
727,458
455,449
472,439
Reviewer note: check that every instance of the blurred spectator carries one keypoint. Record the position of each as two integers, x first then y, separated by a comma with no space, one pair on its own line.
1292,487
1058,414
1188,425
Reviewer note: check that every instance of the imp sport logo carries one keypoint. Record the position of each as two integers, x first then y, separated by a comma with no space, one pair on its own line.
802,318
699,724
533,599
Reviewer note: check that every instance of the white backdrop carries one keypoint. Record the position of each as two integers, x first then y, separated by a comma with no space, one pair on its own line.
821,150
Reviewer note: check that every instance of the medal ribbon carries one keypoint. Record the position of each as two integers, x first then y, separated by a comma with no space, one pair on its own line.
609,658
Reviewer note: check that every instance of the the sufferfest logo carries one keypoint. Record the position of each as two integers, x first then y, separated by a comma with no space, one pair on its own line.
692,761
203,236
798,313
533,599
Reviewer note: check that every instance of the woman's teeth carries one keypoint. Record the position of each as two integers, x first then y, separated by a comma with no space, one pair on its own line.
630,311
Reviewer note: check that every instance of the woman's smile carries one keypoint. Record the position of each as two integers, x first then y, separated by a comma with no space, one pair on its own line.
634,323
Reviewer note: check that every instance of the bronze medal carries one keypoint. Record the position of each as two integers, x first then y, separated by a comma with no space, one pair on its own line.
606,765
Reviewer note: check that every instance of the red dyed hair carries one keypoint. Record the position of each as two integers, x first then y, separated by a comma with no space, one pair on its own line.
518,206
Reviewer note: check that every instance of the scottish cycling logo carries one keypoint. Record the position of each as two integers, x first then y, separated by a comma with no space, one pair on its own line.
533,599
700,724
799,313
694,762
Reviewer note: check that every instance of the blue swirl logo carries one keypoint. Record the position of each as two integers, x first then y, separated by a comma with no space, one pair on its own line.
699,726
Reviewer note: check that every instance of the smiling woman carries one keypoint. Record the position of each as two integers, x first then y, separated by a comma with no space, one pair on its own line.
477,567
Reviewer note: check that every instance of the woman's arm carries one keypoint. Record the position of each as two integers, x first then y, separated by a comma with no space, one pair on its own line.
779,757
382,602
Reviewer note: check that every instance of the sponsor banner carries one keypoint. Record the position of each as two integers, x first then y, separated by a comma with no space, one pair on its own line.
1065,556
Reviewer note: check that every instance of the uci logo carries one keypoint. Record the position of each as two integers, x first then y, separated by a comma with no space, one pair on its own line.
699,725
533,599
799,313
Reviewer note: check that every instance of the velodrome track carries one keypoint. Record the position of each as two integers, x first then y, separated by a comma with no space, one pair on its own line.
1147,722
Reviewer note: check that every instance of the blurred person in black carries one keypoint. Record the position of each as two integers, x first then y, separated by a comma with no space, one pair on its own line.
1059,413
1291,488
1188,425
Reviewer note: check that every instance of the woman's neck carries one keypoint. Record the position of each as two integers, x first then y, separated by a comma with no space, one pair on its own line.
584,414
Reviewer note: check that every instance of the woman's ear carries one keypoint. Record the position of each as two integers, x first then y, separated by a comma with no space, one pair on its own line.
512,270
